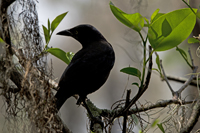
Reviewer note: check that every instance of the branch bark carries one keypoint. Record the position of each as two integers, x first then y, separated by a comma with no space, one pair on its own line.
126,113
193,119
181,80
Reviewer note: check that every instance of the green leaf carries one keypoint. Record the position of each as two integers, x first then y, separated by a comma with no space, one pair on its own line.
161,127
158,62
49,25
57,21
159,71
1,40
155,123
140,131
131,71
135,84
193,40
182,52
134,21
70,55
46,34
154,14
66,57
147,25
157,16
170,29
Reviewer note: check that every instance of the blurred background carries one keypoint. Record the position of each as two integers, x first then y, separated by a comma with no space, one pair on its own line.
128,50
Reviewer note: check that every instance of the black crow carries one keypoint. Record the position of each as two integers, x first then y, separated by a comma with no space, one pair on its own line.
90,66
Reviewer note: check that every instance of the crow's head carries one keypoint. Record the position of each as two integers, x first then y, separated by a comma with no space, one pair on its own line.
85,34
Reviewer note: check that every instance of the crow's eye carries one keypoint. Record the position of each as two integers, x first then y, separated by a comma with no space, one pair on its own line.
76,32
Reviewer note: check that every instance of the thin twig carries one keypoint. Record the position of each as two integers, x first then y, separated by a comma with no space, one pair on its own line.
126,113
192,61
145,86
181,80
165,77
141,90
188,81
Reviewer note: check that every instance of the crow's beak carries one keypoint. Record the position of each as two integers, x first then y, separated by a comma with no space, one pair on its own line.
64,33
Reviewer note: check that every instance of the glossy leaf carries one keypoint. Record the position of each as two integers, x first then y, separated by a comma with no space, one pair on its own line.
131,71
154,14
70,55
157,16
134,21
46,34
159,71
135,84
49,25
193,40
1,40
161,127
66,57
57,21
155,122
170,29
147,21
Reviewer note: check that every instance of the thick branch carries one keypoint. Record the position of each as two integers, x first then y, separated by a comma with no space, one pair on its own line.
160,104
193,119
15,76
5,35
65,129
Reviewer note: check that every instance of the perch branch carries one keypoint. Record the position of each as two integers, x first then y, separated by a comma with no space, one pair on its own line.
159,104
193,119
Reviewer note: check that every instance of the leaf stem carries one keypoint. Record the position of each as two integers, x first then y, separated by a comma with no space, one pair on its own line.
189,6
185,59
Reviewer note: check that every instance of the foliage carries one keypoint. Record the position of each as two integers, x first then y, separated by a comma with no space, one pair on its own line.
48,31
165,31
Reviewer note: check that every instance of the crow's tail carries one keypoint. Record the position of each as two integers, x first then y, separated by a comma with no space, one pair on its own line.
61,97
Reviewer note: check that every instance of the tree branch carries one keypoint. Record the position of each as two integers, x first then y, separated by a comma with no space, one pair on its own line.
145,86
189,80
181,80
159,104
126,113
10,70
5,35
165,77
193,119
